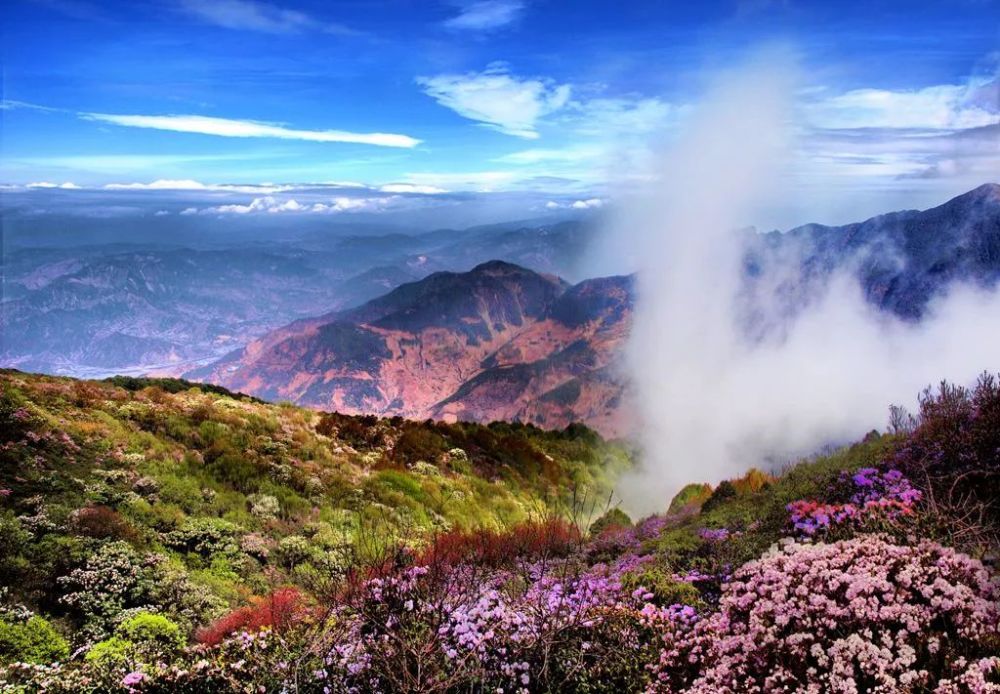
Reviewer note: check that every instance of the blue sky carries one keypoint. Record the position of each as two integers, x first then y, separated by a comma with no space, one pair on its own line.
421,97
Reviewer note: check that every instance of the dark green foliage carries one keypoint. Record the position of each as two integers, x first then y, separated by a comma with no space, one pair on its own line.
720,494
173,385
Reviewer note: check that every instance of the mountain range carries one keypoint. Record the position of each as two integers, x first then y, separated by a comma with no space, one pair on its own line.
130,307
394,322
505,342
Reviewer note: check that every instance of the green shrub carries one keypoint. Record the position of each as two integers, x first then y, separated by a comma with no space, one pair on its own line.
34,641
725,491
665,590
152,629
614,518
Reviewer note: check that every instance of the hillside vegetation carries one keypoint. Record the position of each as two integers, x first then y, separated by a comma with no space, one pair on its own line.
203,542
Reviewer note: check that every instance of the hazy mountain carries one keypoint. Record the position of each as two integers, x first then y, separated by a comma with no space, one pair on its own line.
116,307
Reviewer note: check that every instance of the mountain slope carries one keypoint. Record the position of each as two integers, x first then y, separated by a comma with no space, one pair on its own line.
498,342
902,260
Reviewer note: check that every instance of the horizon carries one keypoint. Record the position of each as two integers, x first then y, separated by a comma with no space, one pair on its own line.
487,109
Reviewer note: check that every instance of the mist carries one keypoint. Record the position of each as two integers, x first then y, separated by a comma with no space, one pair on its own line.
722,381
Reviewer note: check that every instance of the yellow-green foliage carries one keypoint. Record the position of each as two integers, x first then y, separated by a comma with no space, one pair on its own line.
221,496
33,641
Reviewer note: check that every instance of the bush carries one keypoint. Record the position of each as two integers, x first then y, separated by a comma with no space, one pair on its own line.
858,615
112,652
34,641
278,611
725,491
490,548
953,453
154,630
114,578
102,523
615,518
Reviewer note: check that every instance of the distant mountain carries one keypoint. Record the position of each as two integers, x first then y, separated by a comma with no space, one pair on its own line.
131,308
505,342
497,342
156,309
902,260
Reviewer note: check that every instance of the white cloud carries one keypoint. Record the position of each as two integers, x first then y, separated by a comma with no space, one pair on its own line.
411,188
485,15
623,116
571,154
942,107
188,184
588,204
479,181
271,205
497,99
46,184
342,204
250,15
227,127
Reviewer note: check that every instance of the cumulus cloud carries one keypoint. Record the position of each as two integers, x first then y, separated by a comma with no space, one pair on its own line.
250,15
486,15
588,204
46,184
497,99
228,127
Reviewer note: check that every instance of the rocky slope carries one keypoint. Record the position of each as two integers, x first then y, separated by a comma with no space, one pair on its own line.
498,342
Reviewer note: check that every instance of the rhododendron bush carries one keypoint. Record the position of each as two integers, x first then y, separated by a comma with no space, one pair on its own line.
861,615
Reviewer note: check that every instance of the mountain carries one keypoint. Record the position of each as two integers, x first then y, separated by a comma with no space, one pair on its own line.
902,260
505,342
154,308
127,307
497,342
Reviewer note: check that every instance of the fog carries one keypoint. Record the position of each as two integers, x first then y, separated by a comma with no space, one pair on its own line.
710,401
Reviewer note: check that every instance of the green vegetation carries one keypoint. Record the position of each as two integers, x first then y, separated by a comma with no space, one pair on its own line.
159,494
202,542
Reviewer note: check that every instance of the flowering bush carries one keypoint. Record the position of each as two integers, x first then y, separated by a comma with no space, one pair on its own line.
952,453
876,497
861,615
